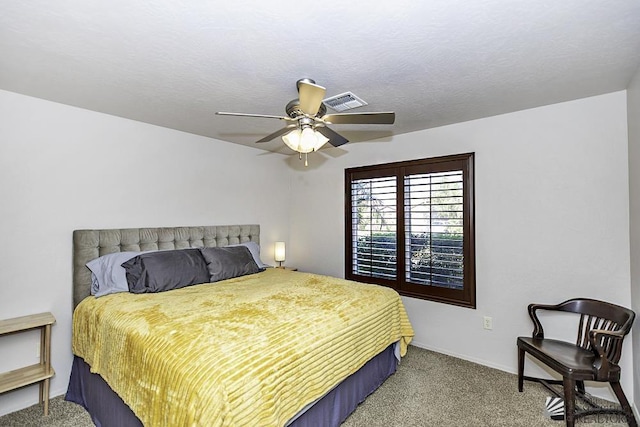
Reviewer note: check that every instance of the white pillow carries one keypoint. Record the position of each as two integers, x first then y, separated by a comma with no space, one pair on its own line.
107,274
255,252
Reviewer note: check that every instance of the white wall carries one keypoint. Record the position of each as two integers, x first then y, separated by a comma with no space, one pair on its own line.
552,220
633,118
64,168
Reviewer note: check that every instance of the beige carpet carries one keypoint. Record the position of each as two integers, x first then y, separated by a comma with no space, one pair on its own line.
429,389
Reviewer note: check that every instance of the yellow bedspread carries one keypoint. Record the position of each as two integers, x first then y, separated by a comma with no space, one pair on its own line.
249,351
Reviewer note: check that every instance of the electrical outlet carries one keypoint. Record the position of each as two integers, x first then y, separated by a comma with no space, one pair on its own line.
487,322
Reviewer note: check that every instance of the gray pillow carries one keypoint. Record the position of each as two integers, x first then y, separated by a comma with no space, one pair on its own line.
228,262
165,270
107,274
255,252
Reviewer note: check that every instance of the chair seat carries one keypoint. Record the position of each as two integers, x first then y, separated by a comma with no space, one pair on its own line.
566,358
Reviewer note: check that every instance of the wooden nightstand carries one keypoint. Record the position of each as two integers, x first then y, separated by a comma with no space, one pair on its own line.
40,372
288,268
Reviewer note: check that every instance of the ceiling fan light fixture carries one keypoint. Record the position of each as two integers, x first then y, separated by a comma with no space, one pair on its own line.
305,140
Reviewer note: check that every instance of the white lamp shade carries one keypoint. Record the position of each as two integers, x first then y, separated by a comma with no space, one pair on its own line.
279,253
305,140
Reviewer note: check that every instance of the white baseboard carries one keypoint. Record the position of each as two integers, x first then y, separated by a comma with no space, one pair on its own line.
499,367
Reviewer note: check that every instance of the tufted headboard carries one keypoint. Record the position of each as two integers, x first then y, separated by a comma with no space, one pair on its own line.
90,244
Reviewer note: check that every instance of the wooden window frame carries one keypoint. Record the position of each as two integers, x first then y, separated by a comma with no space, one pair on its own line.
465,297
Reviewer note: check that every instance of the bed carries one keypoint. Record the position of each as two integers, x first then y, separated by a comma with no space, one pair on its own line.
273,348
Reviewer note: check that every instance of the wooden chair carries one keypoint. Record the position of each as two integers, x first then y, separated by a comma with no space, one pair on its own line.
594,357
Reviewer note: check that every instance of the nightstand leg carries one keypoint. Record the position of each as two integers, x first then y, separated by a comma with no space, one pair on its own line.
45,396
42,344
45,359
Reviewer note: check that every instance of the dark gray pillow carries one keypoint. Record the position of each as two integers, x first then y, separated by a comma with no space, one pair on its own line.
228,262
165,270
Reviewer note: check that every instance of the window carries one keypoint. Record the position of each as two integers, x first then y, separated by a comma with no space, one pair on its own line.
409,225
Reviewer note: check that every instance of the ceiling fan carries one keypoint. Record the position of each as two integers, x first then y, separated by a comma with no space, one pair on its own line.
307,116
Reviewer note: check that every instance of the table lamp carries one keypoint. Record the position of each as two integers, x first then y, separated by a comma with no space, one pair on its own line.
279,253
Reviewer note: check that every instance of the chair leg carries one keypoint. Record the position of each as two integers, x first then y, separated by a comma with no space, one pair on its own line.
569,401
580,387
617,389
520,369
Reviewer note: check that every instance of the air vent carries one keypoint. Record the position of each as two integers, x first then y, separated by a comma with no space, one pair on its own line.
344,101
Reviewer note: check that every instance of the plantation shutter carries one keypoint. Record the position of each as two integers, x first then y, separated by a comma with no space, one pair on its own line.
410,226
374,225
433,227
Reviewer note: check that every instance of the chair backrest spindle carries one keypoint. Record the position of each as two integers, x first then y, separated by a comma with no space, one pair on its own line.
600,315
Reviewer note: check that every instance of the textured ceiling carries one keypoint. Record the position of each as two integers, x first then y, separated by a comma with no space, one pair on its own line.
434,62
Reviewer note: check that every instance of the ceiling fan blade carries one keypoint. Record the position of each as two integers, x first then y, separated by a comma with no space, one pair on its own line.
335,138
311,96
266,116
383,118
276,134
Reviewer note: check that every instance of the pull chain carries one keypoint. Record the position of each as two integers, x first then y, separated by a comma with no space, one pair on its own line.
306,161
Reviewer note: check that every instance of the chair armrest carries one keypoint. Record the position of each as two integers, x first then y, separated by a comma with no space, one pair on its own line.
538,331
602,365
